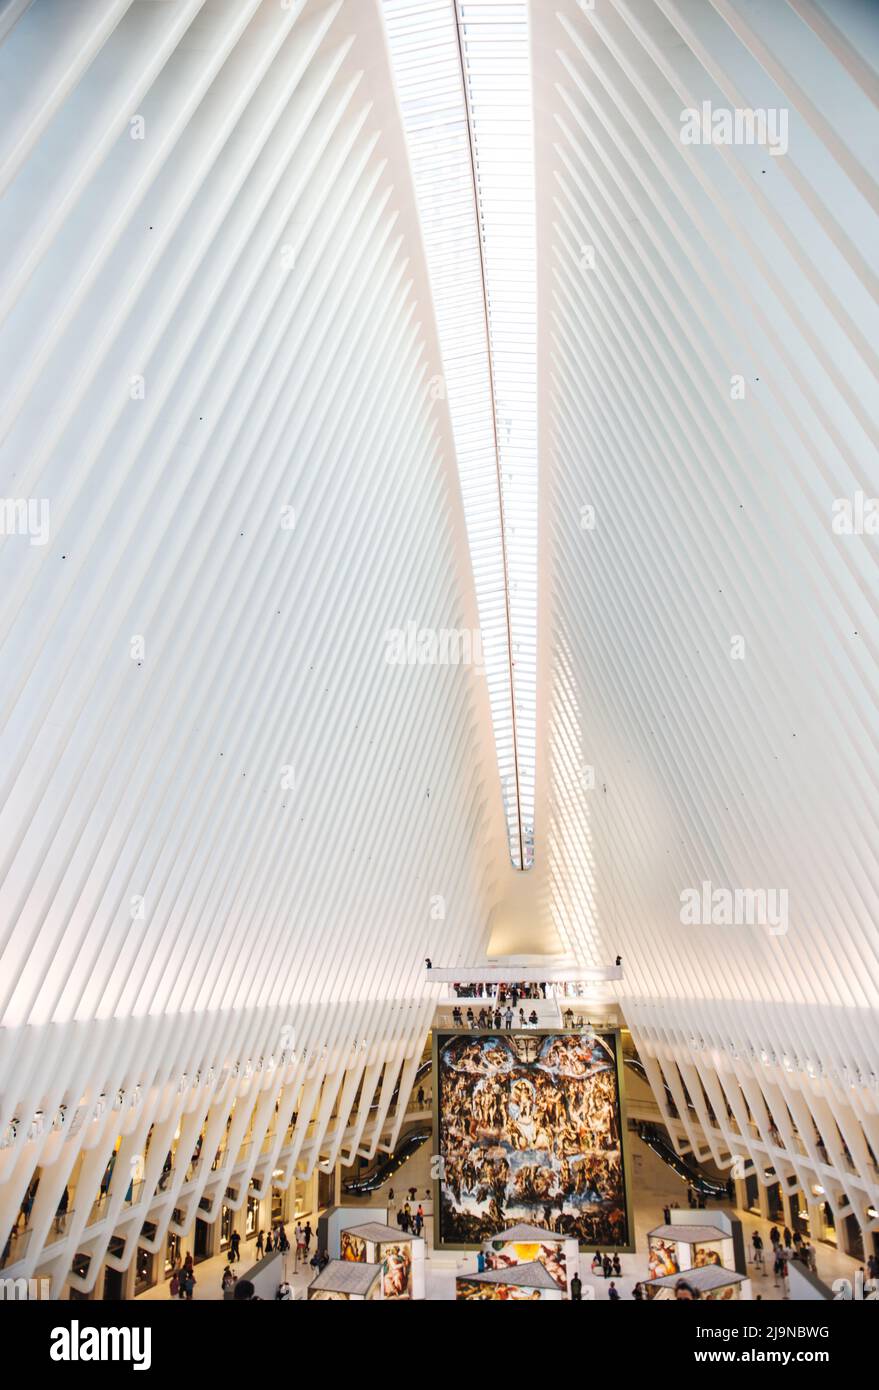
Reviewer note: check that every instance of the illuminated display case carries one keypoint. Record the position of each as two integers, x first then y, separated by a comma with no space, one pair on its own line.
525,1283
400,1257
521,1244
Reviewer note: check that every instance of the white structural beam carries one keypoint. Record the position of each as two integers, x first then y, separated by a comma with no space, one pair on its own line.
513,971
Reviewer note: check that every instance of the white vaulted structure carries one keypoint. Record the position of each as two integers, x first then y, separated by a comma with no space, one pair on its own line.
334,335
708,660
225,813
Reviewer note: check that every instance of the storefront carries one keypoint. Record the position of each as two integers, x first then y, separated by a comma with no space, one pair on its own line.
202,1240
774,1204
227,1217
277,1206
144,1270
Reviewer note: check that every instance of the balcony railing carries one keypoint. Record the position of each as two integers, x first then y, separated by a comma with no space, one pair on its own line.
15,1247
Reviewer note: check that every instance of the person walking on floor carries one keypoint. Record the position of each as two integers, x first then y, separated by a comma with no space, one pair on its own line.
261,1244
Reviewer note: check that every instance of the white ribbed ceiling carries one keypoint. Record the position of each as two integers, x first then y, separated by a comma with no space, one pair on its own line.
230,828
463,75
708,664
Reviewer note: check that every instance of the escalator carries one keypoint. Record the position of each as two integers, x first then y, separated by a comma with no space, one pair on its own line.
639,1069
385,1167
656,1140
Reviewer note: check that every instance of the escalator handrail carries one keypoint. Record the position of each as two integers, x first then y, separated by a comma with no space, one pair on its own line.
379,1174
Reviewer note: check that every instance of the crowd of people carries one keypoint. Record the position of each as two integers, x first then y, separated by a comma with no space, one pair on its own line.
183,1280
276,1239
501,993
494,1018
503,1015
408,1220
786,1246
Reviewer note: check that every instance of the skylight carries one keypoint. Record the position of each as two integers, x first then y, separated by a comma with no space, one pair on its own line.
464,83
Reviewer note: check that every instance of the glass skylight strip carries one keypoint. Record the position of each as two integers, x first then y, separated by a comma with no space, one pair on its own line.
464,82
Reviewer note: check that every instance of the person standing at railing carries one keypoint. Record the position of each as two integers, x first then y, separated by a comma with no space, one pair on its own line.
61,1211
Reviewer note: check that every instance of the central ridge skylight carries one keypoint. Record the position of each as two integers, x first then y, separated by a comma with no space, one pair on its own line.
464,82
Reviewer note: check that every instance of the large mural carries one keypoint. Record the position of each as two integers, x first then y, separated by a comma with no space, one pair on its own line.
530,1130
